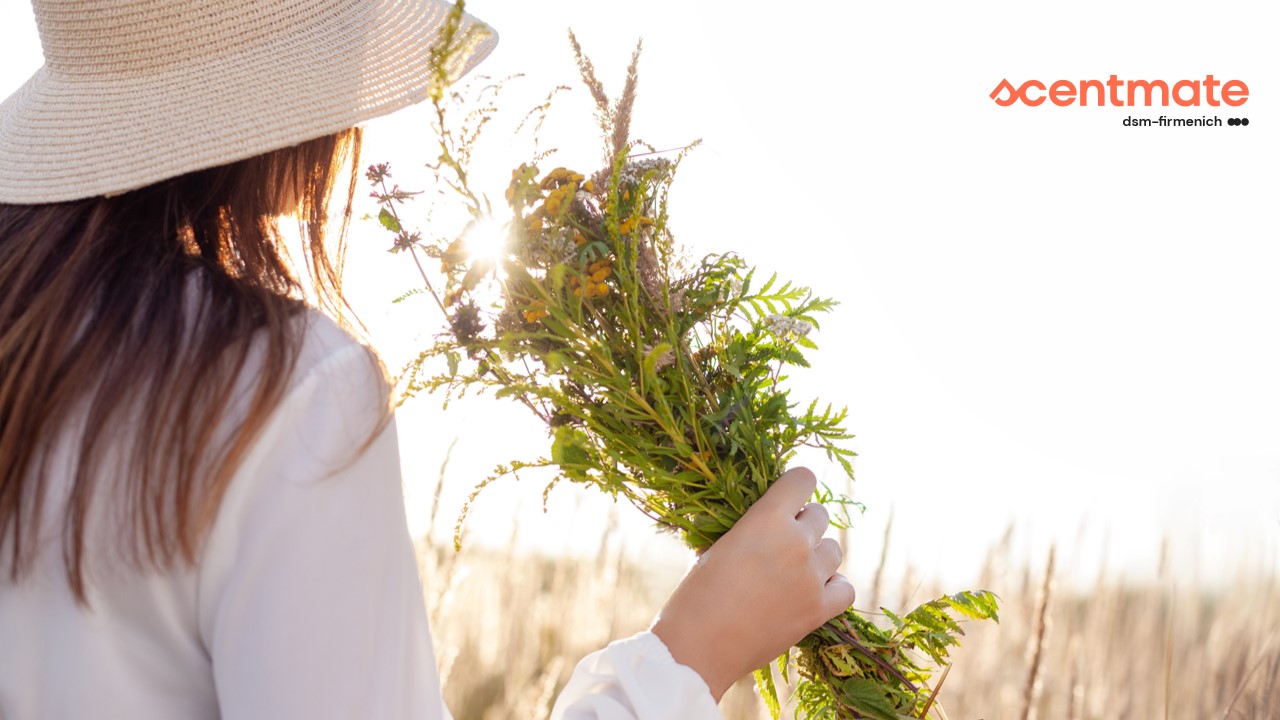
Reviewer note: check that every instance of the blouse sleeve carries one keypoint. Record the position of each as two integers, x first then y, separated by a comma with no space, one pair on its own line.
310,604
635,679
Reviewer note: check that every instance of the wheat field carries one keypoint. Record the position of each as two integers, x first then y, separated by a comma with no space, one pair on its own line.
509,629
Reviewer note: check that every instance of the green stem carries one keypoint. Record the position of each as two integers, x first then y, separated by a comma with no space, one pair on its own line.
849,639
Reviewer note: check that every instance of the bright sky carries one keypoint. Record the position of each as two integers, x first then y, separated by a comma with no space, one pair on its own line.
1048,319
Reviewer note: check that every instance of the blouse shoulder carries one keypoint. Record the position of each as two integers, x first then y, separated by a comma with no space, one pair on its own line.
325,344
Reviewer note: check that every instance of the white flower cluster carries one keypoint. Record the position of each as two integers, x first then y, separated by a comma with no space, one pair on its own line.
550,247
787,328
634,171
733,289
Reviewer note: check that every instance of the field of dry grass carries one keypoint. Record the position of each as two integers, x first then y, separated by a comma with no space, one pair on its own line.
510,628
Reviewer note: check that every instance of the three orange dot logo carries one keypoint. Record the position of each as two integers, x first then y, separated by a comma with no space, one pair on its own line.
1124,93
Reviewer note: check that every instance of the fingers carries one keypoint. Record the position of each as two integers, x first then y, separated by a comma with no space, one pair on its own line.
837,596
827,556
789,492
814,519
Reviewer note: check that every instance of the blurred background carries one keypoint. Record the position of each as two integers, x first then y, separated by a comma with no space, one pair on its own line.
1056,332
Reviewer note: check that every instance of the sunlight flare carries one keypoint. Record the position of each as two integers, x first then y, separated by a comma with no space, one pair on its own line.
487,239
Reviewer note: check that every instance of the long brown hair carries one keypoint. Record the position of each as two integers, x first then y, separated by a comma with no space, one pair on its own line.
140,309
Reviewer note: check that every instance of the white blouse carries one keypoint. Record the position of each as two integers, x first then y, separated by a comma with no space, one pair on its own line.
305,601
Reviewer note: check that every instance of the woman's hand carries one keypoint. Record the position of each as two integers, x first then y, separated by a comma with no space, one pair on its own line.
759,589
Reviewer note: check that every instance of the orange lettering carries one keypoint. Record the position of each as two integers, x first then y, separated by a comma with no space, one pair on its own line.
1113,84
1195,93
1097,84
1209,85
1027,98
1149,87
1185,93
1062,93
1005,85
1235,93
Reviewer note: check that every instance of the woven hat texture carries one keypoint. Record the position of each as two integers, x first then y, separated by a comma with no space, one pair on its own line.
136,91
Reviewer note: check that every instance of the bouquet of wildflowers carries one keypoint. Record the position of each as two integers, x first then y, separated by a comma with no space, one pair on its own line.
660,380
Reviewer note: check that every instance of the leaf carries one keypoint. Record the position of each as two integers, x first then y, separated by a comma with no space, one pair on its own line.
556,276
515,269
897,621
980,605
567,448
405,296
389,221
452,358
867,697
838,658
507,391
554,361
477,272
768,691
653,357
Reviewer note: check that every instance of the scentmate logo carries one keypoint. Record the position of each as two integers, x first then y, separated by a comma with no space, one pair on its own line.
1124,93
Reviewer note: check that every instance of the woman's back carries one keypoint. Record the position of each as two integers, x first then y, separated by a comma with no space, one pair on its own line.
310,530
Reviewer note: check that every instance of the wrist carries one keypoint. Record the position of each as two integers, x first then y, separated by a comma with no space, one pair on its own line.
688,649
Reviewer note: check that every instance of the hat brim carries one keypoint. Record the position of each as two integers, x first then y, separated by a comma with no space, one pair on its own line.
66,138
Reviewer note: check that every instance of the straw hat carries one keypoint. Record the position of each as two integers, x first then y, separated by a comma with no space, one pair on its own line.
136,91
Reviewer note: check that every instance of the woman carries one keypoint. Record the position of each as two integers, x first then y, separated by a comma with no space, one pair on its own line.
200,502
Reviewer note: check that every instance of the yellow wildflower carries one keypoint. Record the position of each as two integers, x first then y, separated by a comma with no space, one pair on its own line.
626,226
533,223
555,199
537,312
560,176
